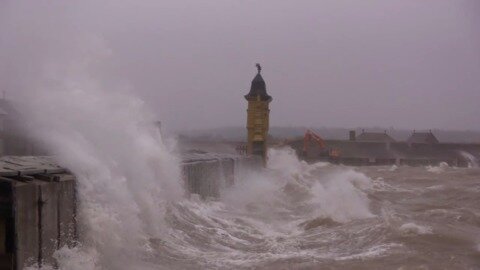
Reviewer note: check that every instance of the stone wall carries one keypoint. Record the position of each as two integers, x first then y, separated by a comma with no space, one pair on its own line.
207,174
38,202
37,211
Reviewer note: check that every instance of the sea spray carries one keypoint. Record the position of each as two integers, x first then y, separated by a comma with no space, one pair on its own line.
335,192
132,212
304,191
472,160
267,212
126,174
442,166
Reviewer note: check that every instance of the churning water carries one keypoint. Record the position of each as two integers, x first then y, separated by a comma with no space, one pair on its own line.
133,213
291,215
319,216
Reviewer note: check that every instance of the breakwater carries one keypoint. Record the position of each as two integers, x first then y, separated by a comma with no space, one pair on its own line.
206,174
38,206
38,202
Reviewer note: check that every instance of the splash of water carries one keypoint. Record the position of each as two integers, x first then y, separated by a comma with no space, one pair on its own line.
442,166
335,192
131,204
267,212
472,160
122,231
126,173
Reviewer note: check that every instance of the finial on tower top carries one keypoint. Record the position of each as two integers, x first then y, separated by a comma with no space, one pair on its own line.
259,68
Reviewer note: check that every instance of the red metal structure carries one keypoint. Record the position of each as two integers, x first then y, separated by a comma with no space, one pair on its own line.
312,136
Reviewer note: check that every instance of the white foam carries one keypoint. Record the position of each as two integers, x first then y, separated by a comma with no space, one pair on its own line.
436,187
393,168
126,174
390,169
438,169
128,177
472,160
372,252
414,229
342,198
338,194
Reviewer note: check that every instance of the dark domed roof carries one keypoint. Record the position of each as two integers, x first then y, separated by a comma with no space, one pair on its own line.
258,88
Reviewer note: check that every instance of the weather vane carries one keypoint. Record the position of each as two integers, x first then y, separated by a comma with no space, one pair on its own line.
259,68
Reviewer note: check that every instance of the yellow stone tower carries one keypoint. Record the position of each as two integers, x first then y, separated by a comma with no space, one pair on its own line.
258,117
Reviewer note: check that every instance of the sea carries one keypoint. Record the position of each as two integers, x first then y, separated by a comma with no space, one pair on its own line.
290,215
133,211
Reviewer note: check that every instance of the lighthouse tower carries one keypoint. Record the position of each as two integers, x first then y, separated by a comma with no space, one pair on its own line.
258,117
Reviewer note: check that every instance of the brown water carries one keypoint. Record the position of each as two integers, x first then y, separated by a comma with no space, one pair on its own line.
298,216
291,215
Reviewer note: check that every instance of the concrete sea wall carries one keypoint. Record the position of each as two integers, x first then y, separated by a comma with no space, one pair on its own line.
37,211
207,174
38,202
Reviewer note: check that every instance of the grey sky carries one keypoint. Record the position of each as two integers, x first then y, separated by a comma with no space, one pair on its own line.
343,63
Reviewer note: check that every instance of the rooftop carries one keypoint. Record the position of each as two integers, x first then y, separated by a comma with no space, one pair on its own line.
374,137
422,137
258,88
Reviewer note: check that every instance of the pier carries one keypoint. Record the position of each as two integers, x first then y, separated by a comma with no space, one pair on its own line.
37,211
38,203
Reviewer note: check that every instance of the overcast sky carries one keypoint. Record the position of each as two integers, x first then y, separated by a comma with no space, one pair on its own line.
338,63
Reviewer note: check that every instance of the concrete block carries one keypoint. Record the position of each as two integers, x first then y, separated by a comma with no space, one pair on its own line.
6,224
48,213
66,211
25,203
228,170
208,176
201,177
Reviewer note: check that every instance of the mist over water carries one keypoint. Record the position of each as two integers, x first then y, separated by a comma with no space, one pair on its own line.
133,212
292,215
126,174
66,67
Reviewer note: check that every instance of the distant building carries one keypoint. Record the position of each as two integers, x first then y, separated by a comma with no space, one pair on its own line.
422,138
374,137
258,116
375,148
